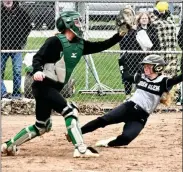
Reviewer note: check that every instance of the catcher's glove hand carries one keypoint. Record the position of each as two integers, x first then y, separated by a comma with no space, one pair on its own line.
125,20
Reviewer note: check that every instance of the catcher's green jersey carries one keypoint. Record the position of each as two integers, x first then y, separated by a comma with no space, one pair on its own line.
71,54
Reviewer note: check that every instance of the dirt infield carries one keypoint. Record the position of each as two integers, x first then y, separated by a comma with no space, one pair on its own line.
157,149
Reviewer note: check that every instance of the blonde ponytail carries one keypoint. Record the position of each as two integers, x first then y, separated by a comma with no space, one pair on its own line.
167,97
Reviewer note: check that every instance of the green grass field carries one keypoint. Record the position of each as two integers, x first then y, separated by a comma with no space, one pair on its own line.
107,69
32,44
106,65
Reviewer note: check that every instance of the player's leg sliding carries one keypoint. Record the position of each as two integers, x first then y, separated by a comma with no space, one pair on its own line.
75,135
121,140
131,130
26,134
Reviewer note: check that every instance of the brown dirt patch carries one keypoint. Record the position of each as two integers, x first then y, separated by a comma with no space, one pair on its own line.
157,149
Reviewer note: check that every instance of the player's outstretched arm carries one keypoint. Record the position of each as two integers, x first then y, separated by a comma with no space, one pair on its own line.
174,80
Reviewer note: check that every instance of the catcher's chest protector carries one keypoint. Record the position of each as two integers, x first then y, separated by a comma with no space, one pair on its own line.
72,53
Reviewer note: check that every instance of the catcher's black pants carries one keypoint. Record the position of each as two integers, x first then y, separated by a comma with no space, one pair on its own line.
130,113
48,98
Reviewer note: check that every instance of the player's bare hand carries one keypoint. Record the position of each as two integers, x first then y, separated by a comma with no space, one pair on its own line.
39,76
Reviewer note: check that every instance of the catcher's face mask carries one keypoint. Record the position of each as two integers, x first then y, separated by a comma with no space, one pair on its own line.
70,20
78,28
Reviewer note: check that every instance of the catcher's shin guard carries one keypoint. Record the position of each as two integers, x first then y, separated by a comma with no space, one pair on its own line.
43,126
74,133
10,146
70,114
26,134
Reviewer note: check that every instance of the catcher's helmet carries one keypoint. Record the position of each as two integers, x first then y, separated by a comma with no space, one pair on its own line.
157,62
70,20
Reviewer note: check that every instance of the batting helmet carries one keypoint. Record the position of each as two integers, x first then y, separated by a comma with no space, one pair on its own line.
70,20
157,62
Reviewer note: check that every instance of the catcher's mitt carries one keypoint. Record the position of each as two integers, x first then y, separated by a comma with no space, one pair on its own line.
125,20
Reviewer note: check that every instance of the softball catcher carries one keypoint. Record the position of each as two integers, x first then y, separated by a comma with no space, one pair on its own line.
53,65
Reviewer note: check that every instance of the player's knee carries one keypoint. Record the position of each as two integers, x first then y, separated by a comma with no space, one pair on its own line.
70,110
101,122
70,113
43,126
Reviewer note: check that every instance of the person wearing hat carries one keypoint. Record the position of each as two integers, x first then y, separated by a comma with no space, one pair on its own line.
166,29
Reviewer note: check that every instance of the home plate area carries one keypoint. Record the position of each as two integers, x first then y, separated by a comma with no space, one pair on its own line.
158,148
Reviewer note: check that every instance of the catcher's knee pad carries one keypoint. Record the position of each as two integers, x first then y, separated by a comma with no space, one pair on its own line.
43,126
70,110
23,136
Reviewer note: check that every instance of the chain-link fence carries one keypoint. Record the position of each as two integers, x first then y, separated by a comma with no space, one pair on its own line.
98,77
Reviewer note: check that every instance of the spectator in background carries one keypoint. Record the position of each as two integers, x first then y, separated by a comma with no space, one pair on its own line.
129,61
144,25
165,25
143,37
15,28
180,42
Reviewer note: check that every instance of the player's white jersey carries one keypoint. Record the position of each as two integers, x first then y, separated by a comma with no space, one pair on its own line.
149,92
